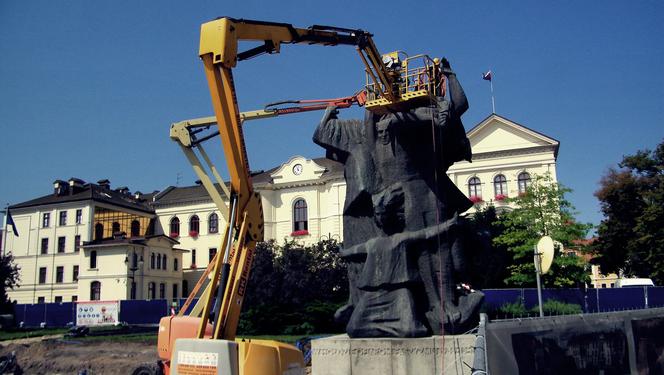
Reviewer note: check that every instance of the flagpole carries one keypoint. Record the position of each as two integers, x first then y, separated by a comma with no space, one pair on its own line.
493,101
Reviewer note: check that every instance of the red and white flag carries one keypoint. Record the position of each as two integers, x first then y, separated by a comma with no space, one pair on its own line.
487,76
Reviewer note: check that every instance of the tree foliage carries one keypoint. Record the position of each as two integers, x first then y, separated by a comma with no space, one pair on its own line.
294,289
487,261
542,210
631,235
9,276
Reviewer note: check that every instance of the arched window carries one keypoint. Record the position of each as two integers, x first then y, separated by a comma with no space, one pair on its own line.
175,264
135,228
213,223
524,182
99,231
152,261
500,186
93,259
116,227
163,262
158,262
151,290
175,227
475,187
194,226
300,215
95,291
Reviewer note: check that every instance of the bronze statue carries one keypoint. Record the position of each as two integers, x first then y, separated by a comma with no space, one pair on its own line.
401,235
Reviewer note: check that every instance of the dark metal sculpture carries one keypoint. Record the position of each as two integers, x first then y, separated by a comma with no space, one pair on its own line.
401,230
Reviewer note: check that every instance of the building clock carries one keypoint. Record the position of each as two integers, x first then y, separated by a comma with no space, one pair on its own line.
297,169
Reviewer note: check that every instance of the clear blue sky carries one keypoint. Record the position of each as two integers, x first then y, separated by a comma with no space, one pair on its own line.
89,88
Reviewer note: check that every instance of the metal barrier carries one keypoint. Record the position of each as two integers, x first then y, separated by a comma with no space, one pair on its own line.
149,312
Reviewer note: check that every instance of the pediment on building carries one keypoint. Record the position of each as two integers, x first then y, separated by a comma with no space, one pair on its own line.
498,134
297,169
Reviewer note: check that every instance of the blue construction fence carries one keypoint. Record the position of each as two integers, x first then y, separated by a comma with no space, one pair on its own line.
149,312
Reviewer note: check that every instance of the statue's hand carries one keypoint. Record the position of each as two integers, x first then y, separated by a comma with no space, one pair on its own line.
446,68
331,113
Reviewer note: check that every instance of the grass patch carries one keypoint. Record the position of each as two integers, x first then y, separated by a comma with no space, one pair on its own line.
24,334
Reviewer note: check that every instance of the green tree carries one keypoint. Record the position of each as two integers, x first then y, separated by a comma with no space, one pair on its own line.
294,289
542,210
9,276
631,235
486,261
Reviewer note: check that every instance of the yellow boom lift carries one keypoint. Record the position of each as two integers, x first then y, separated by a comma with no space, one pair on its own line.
203,341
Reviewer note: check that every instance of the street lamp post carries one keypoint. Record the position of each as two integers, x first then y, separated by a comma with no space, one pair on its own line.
134,267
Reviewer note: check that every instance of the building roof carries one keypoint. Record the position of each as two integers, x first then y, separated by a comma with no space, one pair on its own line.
96,193
123,240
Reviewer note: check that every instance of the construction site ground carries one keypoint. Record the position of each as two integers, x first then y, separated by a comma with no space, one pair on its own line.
53,355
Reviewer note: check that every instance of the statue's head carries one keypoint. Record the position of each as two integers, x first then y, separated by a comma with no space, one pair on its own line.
389,211
384,132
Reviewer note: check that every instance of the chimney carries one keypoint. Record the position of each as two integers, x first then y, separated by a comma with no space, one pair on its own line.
59,188
75,185
137,195
106,184
122,190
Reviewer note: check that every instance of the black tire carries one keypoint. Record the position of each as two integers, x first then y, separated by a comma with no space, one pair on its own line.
148,369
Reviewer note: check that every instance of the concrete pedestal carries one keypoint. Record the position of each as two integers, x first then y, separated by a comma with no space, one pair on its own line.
341,355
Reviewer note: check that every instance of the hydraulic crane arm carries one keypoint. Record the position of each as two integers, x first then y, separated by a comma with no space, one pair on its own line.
219,52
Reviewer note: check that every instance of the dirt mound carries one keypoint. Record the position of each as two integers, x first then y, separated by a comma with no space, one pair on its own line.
71,357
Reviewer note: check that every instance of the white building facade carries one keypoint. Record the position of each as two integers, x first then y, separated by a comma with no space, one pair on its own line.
302,200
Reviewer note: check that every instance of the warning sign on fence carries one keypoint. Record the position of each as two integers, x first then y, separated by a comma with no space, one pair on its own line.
97,313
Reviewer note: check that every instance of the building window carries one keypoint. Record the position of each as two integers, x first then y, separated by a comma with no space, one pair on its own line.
151,290
213,223
74,273
99,231
77,243
158,261
175,264
44,246
41,299
213,252
475,188
79,216
42,275
93,259
74,298
500,187
300,216
524,182
162,291
185,287
134,260
163,262
193,258
152,261
46,220
135,228
61,244
194,226
58,299
175,227
63,218
116,228
59,274
95,291
175,291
